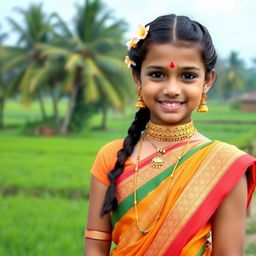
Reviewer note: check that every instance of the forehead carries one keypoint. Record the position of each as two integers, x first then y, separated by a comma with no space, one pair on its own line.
163,54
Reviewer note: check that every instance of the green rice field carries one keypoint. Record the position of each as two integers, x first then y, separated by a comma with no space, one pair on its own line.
44,181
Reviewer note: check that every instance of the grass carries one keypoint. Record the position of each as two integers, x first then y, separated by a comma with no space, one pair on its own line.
224,111
252,228
251,251
17,114
49,163
45,181
41,226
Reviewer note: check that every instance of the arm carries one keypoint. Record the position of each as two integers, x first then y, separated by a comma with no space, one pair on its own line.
229,221
96,222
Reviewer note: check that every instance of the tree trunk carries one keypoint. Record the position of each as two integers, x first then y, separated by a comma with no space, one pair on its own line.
41,104
1,112
71,104
55,108
104,111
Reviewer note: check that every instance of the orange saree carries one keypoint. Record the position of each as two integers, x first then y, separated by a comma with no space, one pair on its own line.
204,176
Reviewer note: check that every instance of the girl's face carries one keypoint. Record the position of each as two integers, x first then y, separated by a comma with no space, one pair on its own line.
172,91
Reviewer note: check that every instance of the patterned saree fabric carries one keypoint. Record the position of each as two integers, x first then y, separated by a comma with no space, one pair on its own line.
205,175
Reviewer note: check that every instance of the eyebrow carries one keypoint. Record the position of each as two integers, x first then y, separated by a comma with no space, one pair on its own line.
154,67
189,68
184,68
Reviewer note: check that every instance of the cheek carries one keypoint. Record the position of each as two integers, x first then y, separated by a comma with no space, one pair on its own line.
195,94
143,79
149,88
147,95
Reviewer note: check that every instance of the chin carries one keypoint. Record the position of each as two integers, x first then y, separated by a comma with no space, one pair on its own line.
170,121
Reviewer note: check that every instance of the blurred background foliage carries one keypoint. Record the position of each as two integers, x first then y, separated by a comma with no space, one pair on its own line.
83,64
69,79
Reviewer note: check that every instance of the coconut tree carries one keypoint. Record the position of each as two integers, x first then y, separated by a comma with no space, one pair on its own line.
92,58
25,60
2,82
232,79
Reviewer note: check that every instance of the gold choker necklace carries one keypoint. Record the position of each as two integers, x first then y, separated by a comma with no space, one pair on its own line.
170,132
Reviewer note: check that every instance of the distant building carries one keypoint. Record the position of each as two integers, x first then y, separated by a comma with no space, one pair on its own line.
248,101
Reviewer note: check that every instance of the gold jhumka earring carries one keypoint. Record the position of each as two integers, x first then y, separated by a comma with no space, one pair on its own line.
140,103
203,106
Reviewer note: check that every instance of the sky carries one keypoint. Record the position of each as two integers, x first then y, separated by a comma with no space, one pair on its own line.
231,22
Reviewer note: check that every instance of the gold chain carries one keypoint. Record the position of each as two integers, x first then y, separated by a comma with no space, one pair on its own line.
137,219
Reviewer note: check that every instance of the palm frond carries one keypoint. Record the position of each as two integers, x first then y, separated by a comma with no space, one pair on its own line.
111,63
48,50
74,61
13,83
25,84
91,92
69,81
105,87
20,59
60,24
23,35
40,77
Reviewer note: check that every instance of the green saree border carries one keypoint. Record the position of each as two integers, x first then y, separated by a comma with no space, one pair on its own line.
202,251
142,192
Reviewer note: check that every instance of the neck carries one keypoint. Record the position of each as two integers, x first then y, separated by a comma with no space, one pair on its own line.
170,132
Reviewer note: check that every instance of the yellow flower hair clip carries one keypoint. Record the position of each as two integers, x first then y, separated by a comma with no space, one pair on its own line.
142,31
132,43
129,62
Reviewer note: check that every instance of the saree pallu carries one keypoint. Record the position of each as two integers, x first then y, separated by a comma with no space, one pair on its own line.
206,173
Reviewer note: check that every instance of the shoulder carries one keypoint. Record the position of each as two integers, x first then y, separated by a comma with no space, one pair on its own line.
229,148
235,157
111,148
224,146
105,160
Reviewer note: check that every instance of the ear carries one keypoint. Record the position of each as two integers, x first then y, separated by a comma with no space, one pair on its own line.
209,80
136,78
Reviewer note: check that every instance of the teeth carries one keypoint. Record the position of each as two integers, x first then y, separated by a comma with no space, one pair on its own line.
168,104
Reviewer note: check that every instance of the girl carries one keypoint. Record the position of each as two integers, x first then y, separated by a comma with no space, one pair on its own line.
166,189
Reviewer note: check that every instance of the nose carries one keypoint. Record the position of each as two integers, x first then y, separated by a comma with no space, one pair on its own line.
171,87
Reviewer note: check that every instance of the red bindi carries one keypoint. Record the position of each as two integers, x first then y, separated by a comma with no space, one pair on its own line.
172,65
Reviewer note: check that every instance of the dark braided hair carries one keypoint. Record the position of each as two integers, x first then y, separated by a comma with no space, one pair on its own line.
134,134
180,31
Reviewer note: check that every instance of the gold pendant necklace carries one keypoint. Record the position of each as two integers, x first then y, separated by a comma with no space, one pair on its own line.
137,219
158,160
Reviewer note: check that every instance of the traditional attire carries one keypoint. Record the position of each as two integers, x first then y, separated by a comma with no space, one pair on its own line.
206,173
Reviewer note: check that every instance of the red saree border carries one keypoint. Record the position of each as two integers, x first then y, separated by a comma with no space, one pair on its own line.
129,239
147,160
212,201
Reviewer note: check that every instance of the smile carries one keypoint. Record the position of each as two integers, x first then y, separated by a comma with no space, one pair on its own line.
171,106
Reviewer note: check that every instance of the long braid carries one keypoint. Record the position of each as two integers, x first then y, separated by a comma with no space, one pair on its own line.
134,134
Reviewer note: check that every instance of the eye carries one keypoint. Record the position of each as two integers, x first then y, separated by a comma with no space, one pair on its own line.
156,75
188,76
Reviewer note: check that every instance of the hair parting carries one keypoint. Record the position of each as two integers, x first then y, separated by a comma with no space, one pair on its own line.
178,30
